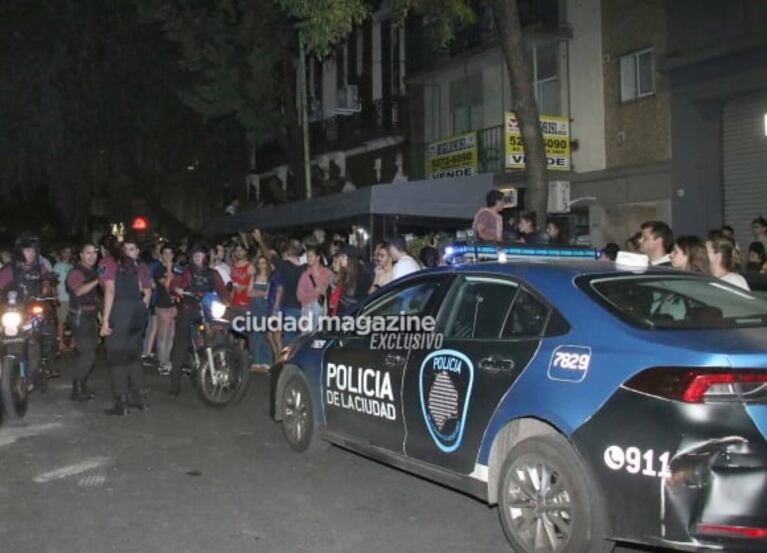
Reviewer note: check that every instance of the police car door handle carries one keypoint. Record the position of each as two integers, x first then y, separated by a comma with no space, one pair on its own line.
393,359
495,363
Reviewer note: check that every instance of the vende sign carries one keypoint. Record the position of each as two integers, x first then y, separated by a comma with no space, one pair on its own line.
556,137
452,157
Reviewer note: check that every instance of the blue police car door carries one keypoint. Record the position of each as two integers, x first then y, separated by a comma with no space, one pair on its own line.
491,327
362,374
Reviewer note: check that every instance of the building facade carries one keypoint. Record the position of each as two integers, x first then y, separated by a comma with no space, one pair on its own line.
718,76
388,106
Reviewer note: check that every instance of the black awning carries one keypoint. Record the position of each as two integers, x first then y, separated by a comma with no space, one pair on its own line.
453,198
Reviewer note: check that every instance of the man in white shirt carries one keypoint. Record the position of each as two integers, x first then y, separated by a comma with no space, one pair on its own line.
656,242
403,263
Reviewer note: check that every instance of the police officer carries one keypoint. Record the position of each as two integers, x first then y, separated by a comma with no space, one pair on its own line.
198,279
28,277
127,290
82,286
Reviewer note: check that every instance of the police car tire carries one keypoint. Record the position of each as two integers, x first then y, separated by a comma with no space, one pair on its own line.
13,390
589,522
309,442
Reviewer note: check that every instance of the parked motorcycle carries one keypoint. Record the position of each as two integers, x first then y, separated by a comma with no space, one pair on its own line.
22,343
217,365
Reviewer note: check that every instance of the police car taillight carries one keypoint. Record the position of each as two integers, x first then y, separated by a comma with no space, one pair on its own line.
728,531
702,385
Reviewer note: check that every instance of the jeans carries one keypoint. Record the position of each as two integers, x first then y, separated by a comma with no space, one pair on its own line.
313,312
260,351
287,314
166,330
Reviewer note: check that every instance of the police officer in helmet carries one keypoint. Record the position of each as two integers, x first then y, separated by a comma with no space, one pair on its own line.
30,277
197,278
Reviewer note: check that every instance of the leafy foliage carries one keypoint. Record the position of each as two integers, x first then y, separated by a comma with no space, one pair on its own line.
233,51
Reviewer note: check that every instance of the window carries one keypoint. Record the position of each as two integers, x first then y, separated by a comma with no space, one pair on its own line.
547,92
480,309
637,75
679,302
528,317
466,104
411,300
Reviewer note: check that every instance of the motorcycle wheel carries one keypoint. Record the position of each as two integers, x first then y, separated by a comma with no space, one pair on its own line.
233,370
13,388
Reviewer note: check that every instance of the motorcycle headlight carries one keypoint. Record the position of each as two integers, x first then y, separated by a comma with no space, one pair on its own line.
11,319
218,310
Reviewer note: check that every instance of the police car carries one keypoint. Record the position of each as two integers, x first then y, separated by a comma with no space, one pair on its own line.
593,402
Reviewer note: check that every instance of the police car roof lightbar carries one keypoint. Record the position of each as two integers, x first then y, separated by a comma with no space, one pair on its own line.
468,253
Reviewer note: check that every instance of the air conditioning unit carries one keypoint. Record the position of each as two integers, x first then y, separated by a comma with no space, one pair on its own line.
348,99
559,197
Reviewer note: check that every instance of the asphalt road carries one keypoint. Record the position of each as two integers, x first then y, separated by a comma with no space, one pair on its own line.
183,477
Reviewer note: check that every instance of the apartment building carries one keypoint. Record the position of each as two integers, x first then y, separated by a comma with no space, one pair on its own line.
387,106
718,76
594,67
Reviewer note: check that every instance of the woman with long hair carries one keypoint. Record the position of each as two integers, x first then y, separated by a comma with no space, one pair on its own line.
258,292
384,267
689,254
757,256
346,284
313,286
721,253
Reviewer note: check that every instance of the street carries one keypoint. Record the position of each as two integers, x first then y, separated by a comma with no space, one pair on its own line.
182,477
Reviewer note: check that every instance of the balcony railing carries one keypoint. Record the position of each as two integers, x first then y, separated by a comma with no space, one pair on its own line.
376,119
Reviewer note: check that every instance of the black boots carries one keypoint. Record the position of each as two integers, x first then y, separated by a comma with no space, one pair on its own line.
120,408
138,400
80,392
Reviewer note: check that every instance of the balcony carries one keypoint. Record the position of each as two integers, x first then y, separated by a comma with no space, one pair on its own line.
376,119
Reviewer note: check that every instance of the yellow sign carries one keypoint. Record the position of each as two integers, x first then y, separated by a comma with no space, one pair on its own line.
453,157
556,137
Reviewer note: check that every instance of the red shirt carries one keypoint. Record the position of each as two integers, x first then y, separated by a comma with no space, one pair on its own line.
241,277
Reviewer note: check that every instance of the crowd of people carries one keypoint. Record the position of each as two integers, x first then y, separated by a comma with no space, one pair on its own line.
139,298
718,254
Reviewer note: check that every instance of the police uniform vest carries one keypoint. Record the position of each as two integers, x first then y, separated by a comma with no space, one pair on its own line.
203,281
126,284
88,301
26,282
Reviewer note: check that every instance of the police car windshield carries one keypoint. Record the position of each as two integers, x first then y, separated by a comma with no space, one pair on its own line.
679,302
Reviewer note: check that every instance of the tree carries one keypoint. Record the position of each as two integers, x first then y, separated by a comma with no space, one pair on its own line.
323,22
240,58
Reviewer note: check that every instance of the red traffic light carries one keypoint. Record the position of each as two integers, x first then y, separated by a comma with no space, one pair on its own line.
140,224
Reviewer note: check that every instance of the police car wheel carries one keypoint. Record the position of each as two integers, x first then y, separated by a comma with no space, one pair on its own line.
298,425
14,388
547,501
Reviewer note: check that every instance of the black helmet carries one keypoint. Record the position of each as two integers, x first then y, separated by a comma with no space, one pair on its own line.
25,240
198,248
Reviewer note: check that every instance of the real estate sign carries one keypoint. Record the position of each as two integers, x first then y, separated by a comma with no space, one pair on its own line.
453,157
556,137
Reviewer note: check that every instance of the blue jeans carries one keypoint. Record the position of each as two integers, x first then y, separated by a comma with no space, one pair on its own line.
260,350
291,313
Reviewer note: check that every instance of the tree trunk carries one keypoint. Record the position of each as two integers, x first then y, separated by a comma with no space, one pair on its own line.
507,22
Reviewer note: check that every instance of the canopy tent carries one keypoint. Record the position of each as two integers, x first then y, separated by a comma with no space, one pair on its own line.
451,198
